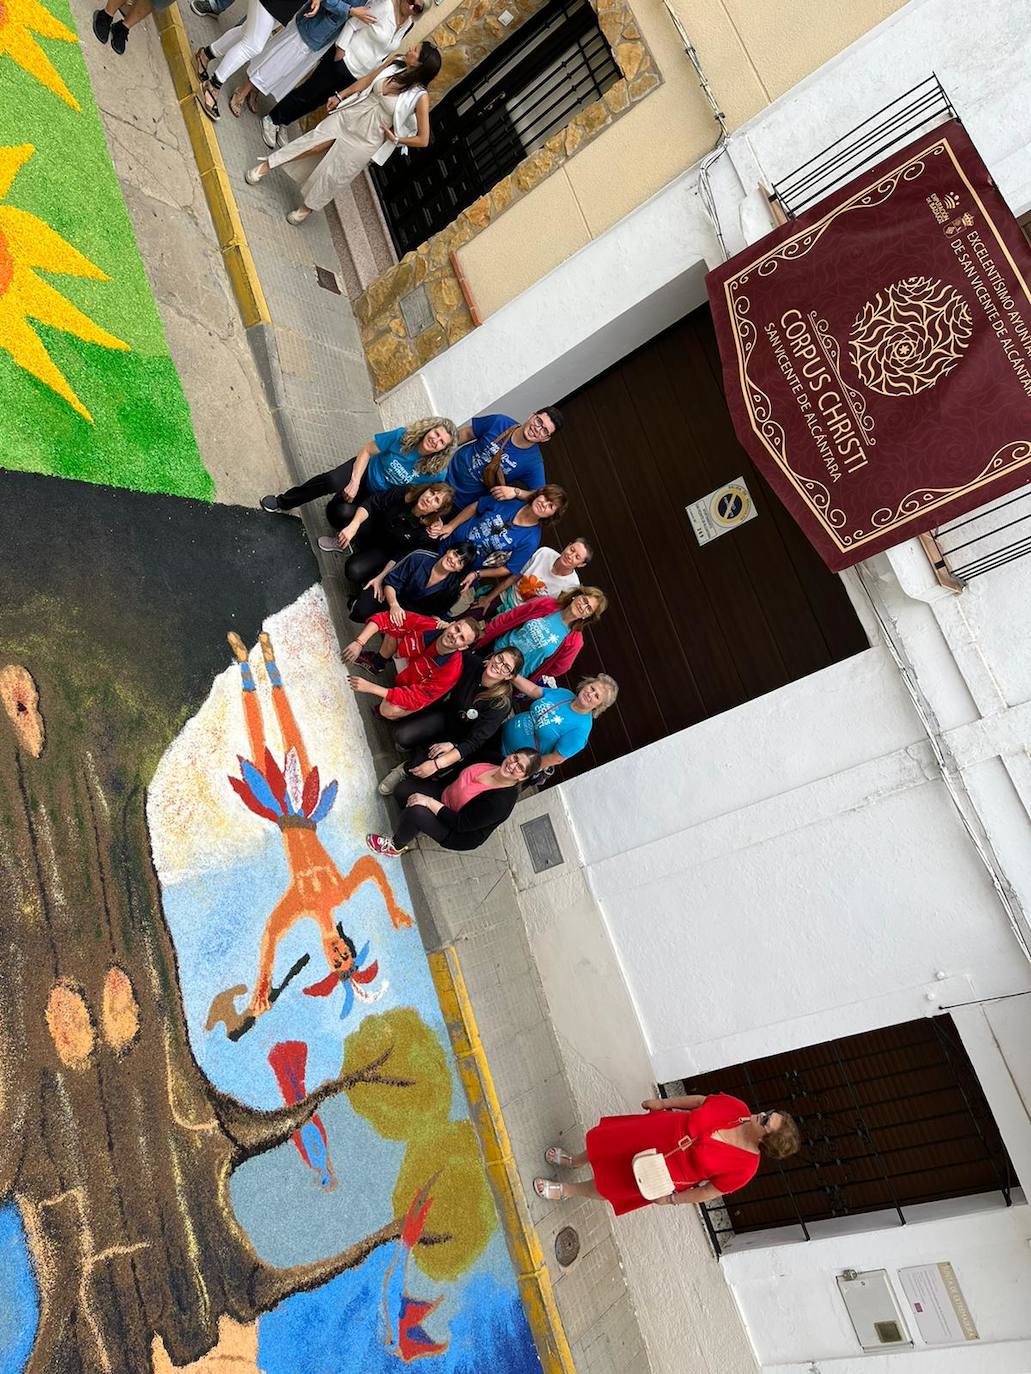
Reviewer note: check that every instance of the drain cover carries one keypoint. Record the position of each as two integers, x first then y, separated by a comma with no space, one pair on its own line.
567,1246
328,280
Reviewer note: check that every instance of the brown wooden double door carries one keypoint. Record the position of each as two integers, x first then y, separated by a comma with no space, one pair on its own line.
691,631
890,1118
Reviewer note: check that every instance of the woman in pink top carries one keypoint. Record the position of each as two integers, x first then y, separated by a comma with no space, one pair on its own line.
462,814
712,1145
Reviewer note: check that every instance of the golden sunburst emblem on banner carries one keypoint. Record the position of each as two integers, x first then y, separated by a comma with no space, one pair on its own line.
27,246
910,336
19,20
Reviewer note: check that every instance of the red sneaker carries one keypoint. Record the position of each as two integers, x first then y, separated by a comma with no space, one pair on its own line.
379,844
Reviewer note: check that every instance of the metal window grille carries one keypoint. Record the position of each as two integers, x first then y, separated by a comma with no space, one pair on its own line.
898,122
890,1119
554,65
987,538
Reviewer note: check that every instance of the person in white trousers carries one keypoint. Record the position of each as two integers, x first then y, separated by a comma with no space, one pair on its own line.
235,48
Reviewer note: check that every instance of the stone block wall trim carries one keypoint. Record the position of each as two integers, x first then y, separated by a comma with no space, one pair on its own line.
465,38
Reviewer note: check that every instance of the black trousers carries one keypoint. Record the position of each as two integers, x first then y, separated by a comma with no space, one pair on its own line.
431,725
420,820
417,820
366,604
338,510
364,564
329,76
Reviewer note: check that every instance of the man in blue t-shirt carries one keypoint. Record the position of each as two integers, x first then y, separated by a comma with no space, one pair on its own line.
496,454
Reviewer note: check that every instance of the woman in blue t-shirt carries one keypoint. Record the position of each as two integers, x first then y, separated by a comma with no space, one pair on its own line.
395,458
506,533
558,723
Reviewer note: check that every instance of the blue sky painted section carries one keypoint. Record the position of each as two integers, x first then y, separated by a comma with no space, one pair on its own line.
19,1309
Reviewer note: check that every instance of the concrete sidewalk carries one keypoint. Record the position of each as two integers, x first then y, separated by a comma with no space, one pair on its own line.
309,353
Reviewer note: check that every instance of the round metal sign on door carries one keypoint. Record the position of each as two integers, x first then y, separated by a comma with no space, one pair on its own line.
567,1246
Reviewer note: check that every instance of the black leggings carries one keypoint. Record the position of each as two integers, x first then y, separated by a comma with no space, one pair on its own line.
431,725
420,820
339,510
329,76
365,605
365,563
417,820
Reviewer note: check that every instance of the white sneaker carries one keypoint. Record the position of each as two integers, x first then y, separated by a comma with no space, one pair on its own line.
387,785
270,132
281,138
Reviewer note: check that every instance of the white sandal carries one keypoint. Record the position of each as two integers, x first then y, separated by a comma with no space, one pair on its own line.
555,1154
299,215
548,1188
256,173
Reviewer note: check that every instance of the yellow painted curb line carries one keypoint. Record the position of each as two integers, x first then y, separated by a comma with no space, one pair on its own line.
532,1275
232,240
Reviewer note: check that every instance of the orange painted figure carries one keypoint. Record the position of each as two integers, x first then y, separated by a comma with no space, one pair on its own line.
292,798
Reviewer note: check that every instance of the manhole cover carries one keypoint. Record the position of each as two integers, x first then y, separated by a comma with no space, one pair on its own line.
567,1246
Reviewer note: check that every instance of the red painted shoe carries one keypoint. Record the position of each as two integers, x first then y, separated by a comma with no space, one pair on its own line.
379,844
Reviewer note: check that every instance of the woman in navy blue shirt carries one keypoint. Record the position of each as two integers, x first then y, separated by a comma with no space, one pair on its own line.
424,580
506,533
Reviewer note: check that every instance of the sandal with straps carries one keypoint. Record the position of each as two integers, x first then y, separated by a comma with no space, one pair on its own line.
555,1154
207,98
548,1188
238,101
201,59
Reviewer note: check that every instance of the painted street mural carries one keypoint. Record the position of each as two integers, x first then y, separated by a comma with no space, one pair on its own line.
230,1126
89,389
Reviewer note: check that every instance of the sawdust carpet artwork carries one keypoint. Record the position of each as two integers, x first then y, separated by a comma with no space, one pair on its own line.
231,1125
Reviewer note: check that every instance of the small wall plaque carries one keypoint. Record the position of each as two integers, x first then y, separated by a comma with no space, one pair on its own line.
541,844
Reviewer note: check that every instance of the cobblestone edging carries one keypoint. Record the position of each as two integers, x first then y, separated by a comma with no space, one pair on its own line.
392,349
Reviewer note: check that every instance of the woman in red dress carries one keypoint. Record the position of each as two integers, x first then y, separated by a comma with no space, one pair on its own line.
723,1144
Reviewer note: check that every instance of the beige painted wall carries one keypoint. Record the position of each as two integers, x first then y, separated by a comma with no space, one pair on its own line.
752,52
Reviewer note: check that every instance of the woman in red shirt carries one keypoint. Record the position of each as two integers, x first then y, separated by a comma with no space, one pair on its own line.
713,1145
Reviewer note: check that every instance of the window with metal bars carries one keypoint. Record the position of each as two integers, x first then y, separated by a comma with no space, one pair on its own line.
554,65
890,1119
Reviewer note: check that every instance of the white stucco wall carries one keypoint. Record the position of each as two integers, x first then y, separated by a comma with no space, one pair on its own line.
642,274
796,869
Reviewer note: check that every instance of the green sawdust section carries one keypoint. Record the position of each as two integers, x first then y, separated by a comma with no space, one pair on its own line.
142,435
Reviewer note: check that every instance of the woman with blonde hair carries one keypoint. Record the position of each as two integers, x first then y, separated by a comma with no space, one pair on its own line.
450,733
395,458
558,722
548,631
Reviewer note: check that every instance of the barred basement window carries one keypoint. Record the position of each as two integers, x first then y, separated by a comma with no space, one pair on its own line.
890,1119
552,67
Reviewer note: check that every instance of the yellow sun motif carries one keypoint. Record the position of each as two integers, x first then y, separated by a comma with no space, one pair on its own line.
17,18
27,243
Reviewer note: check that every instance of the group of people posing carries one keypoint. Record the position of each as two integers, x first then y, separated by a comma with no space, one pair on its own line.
350,58
441,529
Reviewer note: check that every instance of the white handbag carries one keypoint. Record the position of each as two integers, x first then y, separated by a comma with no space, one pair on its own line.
651,1172
652,1175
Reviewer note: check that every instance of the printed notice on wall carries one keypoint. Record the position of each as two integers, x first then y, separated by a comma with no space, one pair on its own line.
934,1295
722,510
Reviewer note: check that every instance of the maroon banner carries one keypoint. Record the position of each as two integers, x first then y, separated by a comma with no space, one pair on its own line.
877,350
